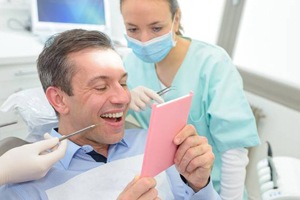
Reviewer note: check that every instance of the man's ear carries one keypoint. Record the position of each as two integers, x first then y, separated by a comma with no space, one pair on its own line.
56,98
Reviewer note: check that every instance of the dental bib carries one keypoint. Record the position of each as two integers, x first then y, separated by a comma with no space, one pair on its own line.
107,182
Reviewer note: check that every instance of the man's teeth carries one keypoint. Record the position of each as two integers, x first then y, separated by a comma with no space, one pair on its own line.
113,115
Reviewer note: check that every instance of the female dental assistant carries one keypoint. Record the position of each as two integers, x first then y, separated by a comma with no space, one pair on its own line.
162,57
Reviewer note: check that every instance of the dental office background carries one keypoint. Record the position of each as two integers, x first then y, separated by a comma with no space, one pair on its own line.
261,36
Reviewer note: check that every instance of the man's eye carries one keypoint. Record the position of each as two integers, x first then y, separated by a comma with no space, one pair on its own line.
123,81
124,85
100,88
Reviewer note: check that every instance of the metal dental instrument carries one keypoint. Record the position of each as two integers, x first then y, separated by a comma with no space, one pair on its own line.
77,132
163,91
12,142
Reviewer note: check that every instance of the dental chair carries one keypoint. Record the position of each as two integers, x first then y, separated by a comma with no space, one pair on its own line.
279,177
38,115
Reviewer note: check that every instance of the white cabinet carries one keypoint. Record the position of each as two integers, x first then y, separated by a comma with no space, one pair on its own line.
18,54
14,78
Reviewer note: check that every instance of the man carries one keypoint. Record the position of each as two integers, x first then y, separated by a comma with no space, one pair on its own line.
85,82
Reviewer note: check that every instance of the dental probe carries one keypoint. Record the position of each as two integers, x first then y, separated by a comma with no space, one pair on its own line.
77,132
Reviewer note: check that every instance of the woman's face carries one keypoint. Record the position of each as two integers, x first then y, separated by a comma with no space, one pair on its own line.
147,19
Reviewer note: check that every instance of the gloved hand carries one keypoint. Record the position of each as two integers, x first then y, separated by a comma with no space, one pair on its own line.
141,97
31,161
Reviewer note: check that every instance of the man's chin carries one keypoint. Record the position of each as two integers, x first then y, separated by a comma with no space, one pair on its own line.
116,137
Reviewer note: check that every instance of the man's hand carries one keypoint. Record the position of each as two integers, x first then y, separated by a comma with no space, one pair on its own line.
141,97
141,189
194,157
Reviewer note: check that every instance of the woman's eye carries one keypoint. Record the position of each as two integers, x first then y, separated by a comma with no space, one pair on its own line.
131,30
156,29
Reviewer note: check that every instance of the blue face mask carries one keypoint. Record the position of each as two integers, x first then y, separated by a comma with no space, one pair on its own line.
154,50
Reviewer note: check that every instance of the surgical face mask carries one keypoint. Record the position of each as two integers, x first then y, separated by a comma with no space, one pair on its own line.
154,50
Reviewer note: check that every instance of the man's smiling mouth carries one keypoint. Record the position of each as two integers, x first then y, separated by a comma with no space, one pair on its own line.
113,116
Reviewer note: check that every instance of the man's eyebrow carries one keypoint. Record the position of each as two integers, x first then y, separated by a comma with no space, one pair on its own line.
96,78
104,77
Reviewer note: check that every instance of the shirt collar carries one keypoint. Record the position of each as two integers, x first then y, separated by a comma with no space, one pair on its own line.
72,148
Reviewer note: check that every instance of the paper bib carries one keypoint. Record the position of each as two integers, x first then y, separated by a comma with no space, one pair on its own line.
107,182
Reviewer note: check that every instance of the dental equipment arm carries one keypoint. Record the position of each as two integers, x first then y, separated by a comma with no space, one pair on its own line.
31,161
141,97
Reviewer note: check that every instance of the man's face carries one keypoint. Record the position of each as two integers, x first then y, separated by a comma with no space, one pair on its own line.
100,97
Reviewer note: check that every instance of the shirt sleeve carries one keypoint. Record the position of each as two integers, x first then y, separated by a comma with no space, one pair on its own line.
231,121
233,176
9,194
182,191
206,193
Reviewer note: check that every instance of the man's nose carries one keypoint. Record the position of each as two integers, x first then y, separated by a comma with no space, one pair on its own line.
120,95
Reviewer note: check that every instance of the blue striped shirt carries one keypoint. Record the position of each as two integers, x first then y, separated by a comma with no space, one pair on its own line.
77,161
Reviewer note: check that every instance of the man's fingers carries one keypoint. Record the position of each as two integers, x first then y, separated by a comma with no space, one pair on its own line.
187,131
131,183
143,184
139,188
199,158
150,194
184,150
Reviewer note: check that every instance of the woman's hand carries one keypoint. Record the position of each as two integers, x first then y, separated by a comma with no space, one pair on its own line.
31,161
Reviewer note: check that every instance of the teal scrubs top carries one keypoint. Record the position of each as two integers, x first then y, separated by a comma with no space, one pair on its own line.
220,110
